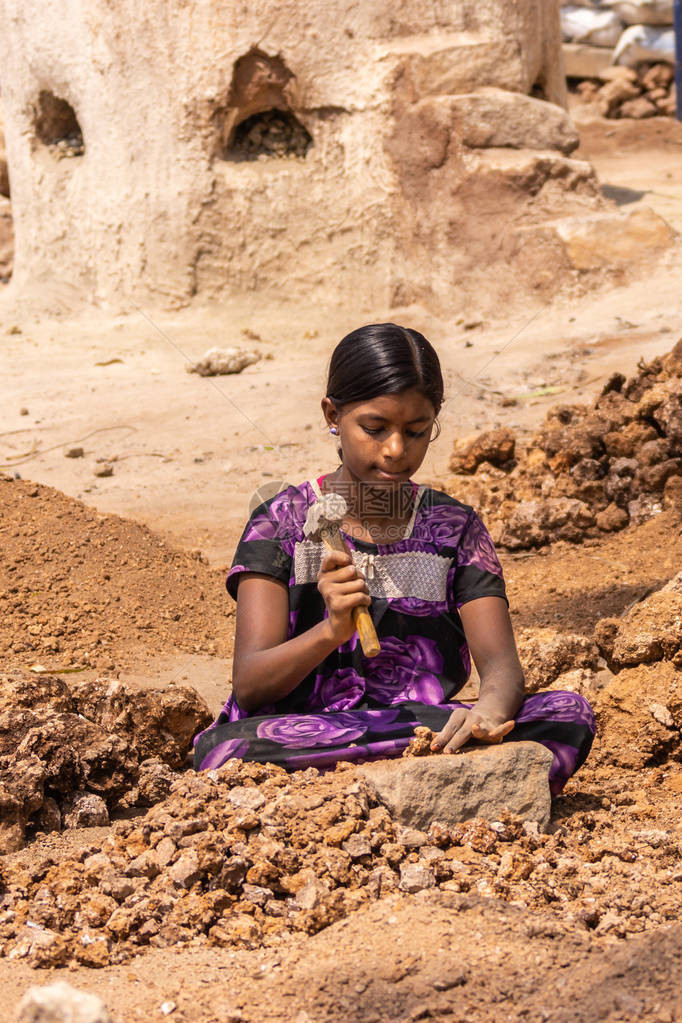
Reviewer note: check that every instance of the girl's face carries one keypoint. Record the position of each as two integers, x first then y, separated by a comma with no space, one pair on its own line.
386,438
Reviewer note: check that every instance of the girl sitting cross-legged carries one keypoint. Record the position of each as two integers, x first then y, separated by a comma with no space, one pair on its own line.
303,692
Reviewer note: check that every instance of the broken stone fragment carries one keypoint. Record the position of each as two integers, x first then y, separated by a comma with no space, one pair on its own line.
420,745
661,714
185,871
154,781
650,631
61,1003
495,446
219,361
546,653
85,810
415,877
246,798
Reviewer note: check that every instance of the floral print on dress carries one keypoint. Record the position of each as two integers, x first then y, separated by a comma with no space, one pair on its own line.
405,670
355,708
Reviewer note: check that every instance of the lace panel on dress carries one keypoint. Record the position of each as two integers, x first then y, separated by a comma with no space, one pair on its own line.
417,574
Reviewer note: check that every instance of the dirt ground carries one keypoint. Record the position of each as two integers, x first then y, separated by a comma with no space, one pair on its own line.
581,924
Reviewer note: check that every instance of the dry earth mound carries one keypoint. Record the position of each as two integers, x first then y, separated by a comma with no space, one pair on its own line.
83,589
589,470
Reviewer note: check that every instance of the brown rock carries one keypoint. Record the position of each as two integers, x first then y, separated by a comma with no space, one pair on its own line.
415,877
534,523
40,947
625,442
78,754
494,446
22,787
546,653
669,417
157,723
154,781
638,108
650,631
652,478
420,745
618,73
617,91
613,239
672,494
499,118
240,930
61,1003
658,76
85,810
612,518
185,871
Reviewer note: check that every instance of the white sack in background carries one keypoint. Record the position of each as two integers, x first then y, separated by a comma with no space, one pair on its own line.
643,42
642,12
582,25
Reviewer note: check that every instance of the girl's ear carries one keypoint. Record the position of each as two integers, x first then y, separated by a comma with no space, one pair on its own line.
436,435
329,411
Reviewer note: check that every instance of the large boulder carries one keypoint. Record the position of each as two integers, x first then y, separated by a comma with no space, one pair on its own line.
495,118
477,783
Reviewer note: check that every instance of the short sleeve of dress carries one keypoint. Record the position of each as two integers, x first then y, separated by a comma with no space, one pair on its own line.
478,572
262,548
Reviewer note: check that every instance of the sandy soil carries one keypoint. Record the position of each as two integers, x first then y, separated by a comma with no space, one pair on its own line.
187,454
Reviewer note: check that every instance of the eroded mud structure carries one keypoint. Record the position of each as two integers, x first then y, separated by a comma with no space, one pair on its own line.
376,151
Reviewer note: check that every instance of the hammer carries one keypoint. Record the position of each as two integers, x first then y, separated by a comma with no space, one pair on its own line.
323,523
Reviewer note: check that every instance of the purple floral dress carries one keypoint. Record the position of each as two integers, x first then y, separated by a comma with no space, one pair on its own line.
356,708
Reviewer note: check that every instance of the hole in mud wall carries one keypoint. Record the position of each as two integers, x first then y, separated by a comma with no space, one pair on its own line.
272,133
6,225
257,119
57,127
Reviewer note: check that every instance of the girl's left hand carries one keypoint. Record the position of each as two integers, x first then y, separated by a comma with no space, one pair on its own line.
463,725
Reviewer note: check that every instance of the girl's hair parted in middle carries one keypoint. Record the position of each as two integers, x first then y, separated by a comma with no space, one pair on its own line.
383,358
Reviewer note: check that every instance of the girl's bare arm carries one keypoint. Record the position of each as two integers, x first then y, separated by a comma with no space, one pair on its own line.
490,638
267,665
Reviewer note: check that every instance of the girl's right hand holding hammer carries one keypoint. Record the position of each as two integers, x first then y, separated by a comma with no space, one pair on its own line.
343,588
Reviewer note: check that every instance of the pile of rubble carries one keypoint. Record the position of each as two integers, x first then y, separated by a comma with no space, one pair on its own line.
645,91
247,855
589,470
70,754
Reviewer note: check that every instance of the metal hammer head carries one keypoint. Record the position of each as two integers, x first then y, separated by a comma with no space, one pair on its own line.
328,512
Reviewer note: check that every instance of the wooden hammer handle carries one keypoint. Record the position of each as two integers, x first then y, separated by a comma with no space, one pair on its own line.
360,615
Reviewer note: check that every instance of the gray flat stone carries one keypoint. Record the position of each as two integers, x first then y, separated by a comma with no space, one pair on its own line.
480,782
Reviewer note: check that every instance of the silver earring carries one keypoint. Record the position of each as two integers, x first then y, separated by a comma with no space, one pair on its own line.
334,431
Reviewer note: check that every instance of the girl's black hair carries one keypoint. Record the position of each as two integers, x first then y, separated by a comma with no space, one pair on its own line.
383,358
